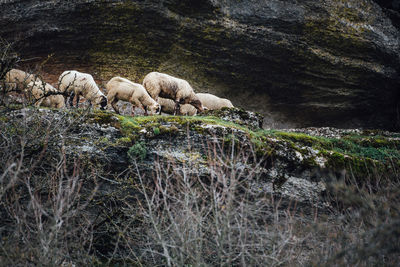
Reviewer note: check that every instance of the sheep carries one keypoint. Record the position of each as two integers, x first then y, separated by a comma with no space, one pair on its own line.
81,84
168,106
213,102
209,101
119,88
164,85
45,95
18,79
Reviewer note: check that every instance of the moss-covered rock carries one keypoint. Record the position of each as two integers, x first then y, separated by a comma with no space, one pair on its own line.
113,154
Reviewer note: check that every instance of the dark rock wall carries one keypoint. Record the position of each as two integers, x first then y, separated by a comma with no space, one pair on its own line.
308,63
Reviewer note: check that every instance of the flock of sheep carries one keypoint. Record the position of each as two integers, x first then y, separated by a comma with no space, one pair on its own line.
159,92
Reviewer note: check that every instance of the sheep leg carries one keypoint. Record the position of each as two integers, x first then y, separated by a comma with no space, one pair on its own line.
71,99
114,105
133,110
136,103
145,110
77,100
39,102
177,108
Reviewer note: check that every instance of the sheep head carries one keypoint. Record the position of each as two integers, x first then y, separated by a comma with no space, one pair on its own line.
197,104
102,102
154,109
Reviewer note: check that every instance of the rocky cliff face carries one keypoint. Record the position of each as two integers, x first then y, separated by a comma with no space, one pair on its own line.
295,164
74,187
331,63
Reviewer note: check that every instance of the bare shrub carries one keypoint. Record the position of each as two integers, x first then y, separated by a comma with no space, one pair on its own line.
42,202
222,217
219,217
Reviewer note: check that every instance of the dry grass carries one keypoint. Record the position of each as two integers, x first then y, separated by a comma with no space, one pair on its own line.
42,201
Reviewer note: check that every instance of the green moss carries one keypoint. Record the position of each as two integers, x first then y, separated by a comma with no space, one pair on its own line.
262,148
101,117
142,122
376,148
156,131
104,140
359,167
336,160
124,141
230,140
168,130
301,138
360,155
4,119
138,151
128,126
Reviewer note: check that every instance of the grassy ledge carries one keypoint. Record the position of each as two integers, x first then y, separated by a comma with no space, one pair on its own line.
361,154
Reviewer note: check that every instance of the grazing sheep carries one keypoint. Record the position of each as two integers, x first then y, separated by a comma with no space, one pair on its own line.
213,102
123,89
18,79
39,90
168,106
164,85
81,84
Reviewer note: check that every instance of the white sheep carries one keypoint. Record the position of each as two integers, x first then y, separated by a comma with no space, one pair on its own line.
119,88
168,106
166,86
17,79
213,102
45,94
81,84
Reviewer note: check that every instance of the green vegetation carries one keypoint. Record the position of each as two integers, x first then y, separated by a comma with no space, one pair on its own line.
361,154
373,147
156,131
138,151
170,124
376,147
124,141
102,117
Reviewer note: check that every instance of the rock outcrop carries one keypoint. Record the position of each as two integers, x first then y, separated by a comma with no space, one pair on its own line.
299,162
308,63
113,160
